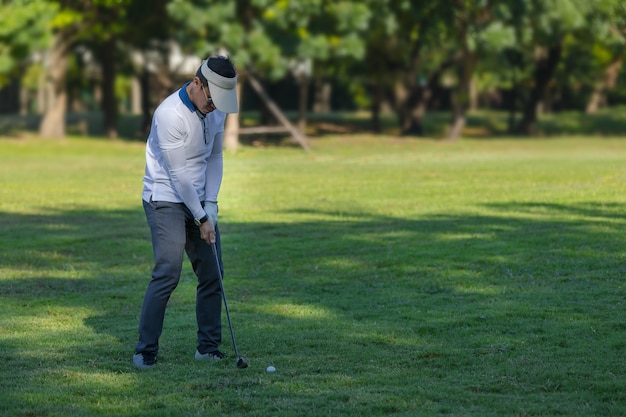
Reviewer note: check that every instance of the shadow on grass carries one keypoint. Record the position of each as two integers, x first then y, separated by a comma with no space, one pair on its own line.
522,242
528,290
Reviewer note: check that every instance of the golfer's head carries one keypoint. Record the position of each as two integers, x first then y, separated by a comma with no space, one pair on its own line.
218,75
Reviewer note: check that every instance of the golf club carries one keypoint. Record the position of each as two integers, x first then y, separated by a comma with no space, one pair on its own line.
241,361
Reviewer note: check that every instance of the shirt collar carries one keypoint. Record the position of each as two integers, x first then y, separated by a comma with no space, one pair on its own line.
184,97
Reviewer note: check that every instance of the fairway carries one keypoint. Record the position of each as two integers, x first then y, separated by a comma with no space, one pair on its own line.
379,276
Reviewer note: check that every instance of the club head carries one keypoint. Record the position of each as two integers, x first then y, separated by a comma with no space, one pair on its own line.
242,362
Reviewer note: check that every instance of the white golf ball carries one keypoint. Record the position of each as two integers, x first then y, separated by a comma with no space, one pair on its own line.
271,369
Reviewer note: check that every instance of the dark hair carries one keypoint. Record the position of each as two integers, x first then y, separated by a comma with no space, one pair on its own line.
219,64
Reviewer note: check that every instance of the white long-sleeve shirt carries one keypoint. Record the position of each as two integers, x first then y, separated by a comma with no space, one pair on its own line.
184,161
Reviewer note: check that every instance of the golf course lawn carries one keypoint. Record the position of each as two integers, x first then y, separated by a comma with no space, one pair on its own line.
380,277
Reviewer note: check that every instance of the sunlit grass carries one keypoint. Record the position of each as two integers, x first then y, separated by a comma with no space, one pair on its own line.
297,311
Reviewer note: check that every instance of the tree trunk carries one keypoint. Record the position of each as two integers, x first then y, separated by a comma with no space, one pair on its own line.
41,93
24,101
406,97
322,96
545,66
135,96
512,105
109,105
473,95
461,100
411,100
412,124
303,103
146,111
464,68
378,95
53,123
458,124
231,133
605,84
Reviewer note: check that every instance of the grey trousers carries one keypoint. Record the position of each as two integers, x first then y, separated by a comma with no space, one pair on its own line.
174,233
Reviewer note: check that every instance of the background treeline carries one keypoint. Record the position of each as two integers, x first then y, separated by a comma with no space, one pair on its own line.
405,57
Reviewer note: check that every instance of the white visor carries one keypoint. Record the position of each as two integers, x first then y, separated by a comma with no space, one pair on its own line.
223,89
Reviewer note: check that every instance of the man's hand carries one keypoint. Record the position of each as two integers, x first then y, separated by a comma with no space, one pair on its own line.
207,232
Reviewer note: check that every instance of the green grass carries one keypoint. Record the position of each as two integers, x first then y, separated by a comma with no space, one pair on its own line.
381,277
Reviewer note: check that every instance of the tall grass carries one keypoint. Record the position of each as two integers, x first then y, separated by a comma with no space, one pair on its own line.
379,276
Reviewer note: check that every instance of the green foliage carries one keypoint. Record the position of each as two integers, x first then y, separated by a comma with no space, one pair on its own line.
24,29
351,17
211,25
32,77
588,31
353,42
67,17
497,37
271,35
589,51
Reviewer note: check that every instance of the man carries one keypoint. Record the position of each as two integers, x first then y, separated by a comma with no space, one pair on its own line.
182,180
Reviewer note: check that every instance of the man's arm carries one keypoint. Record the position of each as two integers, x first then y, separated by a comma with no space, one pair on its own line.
171,132
215,169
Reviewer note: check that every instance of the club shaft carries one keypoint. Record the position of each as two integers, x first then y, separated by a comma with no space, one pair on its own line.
230,325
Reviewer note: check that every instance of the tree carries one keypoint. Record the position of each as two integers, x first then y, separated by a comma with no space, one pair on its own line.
609,48
540,28
144,36
396,52
412,47
81,20
24,30
403,61
24,34
470,18
267,37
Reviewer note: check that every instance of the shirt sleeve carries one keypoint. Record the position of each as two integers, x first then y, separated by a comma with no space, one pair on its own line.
171,132
215,169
